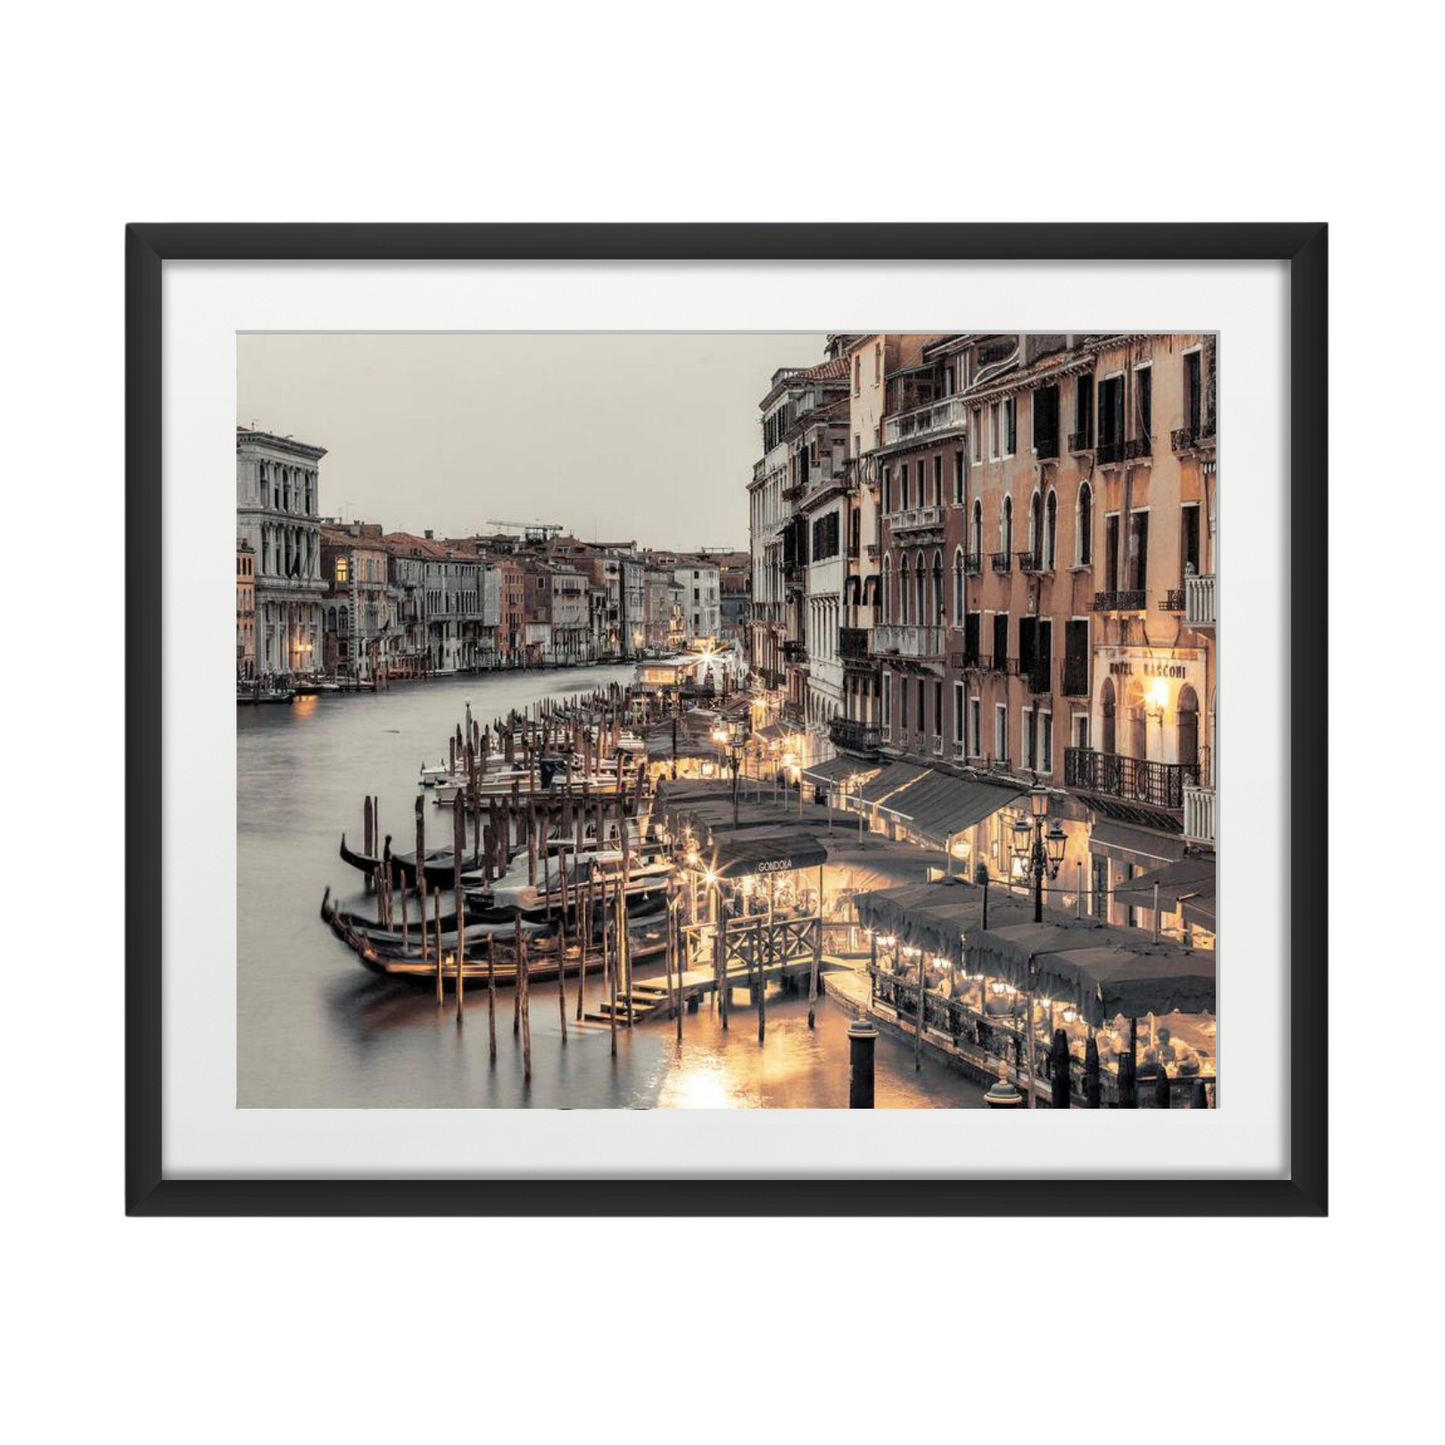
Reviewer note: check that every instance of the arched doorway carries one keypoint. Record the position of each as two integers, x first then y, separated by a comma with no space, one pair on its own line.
1189,729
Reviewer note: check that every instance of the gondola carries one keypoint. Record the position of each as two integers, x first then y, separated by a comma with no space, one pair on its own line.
438,865
541,963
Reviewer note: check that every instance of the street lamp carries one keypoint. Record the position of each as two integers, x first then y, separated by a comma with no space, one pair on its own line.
1039,845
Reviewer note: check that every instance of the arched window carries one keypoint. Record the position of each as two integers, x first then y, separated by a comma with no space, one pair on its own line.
920,582
1035,538
887,589
1006,527
975,538
958,587
905,596
1051,529
936,613
1084,525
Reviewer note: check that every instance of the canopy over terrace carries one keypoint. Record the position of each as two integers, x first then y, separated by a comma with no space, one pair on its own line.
836,772
1187,886
938,806
1101,969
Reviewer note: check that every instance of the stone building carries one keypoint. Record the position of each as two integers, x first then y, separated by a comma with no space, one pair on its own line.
363,634
278,517
245,610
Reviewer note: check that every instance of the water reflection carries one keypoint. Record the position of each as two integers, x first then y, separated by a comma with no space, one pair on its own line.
315,1030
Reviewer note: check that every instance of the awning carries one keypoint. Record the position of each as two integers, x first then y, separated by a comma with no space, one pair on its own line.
1190,878
1123,841
766,853
938,916
938,805
778,730
1102,970
893,777
1199,912
834,770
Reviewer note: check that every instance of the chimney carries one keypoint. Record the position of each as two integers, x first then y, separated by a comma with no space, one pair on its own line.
429,534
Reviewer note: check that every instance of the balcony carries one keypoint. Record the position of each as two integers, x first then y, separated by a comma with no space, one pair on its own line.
1111,454
1135,780
795,651
853,643
916,519
972,563
1172,600
967,661
1002,561
1192,438
1198,814
1033,562
1081,441
1046,448
946,415
902,640
854,736
1130,601
1199,602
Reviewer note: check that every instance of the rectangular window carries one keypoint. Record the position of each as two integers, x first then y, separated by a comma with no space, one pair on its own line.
1084,412
1000,640
887,489
1081,730
938,709
1010,425
1028,740
995,432
1046,742
1138,550
1145,381
1099,893
1193,393
970,639
1028,635
918,476
1111,552
976,428
1111,411
1076,657
1046,421
938,480
975,727
1000,732
958,737
958,477
903,705
1189,539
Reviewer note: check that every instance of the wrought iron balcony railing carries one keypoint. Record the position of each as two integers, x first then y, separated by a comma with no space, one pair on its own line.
1191,438
1137,780
1002,561
853,643
972,563
1033,562
1081,441
853,735
1128,601
1046,448
795,651
1172,600
1137,449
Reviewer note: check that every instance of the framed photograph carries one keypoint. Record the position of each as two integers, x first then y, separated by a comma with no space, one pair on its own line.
660,753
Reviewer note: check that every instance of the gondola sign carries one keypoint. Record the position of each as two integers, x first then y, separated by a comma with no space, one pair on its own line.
776,865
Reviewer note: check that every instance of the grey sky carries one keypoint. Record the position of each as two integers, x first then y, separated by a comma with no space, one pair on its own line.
649,436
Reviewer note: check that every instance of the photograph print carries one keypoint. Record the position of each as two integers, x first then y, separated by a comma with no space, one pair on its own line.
726,721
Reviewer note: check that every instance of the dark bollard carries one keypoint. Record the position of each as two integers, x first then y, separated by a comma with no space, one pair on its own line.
1198,1097
1161,1088
1127,1099
1092,1091
1003,1095
862,1037
1059,1069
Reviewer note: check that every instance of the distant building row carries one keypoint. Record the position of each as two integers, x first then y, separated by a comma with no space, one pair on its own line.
316,596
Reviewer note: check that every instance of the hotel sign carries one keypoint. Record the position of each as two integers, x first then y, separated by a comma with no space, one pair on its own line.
1177,670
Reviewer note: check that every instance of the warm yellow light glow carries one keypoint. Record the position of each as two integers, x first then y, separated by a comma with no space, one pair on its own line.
1158,694
711,877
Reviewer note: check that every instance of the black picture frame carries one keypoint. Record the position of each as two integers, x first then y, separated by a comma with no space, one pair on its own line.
1304,246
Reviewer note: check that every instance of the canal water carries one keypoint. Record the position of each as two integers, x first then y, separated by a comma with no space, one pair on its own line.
317,1030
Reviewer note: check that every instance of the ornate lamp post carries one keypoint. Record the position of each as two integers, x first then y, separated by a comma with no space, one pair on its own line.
1039,845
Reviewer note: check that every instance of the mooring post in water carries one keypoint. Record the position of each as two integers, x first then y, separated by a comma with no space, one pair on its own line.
562,976
459,843
524,982
420,872
437,915
492,995
862,1038
609,965
517,978
817,953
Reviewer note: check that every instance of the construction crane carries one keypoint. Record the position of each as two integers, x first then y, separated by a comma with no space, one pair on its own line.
532,531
